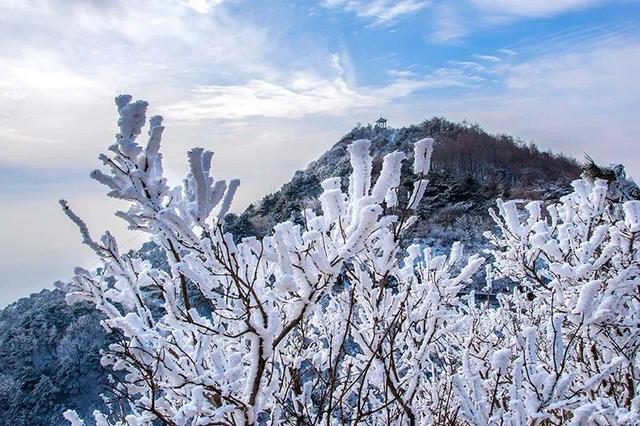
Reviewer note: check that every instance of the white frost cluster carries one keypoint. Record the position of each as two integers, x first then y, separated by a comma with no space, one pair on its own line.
571,325
331,321
422,156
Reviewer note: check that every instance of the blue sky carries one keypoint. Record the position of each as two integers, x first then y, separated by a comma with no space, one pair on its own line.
270,85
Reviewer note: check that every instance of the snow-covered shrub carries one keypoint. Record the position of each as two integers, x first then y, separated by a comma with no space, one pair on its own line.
294,327
563,348
331,322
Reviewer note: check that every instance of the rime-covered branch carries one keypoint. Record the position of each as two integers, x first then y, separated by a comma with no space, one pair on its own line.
332,321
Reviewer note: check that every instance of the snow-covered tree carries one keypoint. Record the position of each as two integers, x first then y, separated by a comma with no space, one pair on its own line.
293,327
330,321
564,346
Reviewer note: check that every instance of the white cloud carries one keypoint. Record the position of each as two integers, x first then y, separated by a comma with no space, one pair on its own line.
453,21
157,49
401,73
257,98
469,65
487,58
304,95
449,26
532,8
137,41
508,52
379,11
203,6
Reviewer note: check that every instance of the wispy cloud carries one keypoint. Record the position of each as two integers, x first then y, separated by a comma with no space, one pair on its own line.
103,49
401,73
306,94
204,6
487,58
456,20
532,8
508,52
380,12
449,25
469,65
258,98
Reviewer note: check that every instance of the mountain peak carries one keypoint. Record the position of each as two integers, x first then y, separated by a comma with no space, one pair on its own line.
470,166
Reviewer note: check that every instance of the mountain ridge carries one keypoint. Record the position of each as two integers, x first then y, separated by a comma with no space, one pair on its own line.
469,165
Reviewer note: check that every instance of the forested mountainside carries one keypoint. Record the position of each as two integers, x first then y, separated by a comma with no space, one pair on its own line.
50,359
471,168
50,351
50,356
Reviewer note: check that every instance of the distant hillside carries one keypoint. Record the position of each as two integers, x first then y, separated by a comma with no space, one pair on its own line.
49,360
470,169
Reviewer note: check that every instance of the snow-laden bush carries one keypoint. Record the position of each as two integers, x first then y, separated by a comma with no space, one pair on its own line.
563,348
330,322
